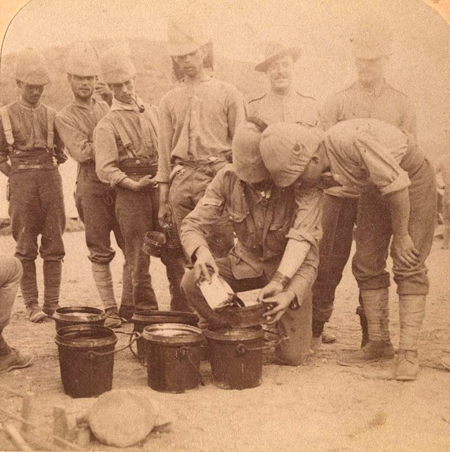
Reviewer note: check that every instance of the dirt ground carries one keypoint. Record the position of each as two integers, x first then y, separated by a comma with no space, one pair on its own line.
319,407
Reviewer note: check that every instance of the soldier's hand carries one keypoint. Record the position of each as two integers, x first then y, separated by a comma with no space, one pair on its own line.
405,251
144,182
101,88
164,213
282,302
204,264
270,290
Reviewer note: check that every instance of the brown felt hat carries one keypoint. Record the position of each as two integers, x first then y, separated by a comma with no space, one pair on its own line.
274,51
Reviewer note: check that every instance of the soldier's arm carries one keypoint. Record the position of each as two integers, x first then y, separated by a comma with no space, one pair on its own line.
77,143
330,113
237,110
165,137
5,167
409,120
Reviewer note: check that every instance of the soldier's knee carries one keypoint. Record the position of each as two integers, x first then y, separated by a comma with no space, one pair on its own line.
188,283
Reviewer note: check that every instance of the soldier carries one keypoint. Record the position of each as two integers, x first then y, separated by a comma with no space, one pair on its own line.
95,200
29,140
10,274
198,119
263,218
398,202
126,157
369,97
283,103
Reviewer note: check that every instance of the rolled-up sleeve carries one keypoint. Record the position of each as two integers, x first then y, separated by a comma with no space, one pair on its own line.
77,143
307,223
166,132
107,154
196,226
237,110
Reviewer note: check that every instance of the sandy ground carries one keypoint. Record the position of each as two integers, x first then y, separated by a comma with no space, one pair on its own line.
319,407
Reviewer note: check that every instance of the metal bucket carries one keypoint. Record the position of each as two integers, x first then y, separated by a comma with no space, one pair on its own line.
78,315
154,243
86,359
173,356
236,356
145,318
247,316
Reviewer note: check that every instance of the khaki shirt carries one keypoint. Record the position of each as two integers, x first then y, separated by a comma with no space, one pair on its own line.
76,123
386,104
29,129
141,129
292,108
262,224
369,152
198,123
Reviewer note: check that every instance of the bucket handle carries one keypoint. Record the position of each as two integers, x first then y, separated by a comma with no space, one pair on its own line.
184,352
241,349
92,355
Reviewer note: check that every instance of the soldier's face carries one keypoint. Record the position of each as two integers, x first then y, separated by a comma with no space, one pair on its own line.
281,73
124,92
30,93
315,167
82,87
370,71
192,63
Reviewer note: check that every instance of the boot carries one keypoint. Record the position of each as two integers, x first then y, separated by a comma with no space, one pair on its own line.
113,319
28,286
126,310
52,284
379,346
363,321
412,313
14,360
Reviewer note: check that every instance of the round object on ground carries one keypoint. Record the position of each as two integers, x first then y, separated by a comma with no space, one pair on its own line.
122,417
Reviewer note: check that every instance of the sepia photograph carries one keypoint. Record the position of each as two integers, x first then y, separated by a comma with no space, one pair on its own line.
225,225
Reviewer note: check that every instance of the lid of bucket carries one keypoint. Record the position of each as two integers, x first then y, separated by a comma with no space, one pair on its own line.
226,333
85,335
82,314
173,334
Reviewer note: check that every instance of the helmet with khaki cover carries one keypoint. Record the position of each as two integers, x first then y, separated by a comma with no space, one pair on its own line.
117,66
82,60
31,67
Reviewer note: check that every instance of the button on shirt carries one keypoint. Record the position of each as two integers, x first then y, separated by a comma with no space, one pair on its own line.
29,129
368,152
76,123
292,108
197,123
262,224
141,130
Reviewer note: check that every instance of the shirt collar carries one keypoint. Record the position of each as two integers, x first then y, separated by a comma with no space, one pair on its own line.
78,104
376,91
22,103
117,105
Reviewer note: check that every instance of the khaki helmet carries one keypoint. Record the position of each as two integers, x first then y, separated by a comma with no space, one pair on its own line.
31,67
185,35
116,66
371,39
82,60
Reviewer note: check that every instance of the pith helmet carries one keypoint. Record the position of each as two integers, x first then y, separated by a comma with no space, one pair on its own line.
247,159
31,67
286,149
82,60
371,39
185,35
274,51
117,66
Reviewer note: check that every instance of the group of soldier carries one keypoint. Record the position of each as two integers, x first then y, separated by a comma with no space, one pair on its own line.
242,184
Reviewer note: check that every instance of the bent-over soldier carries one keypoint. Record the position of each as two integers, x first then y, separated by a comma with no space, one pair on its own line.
29,140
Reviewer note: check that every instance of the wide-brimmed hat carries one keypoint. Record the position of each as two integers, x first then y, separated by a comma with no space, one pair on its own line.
82,60
274,51
286,149
117,66
247,159
31,67
185,34
371,40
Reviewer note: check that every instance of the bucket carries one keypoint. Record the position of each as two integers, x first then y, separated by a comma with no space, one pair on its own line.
236,356
173,356
86,359
78,315
154,243
145,318
247,316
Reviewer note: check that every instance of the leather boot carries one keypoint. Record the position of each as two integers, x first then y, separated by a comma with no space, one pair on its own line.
362,321
52,284
412,313
28,286
379,346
